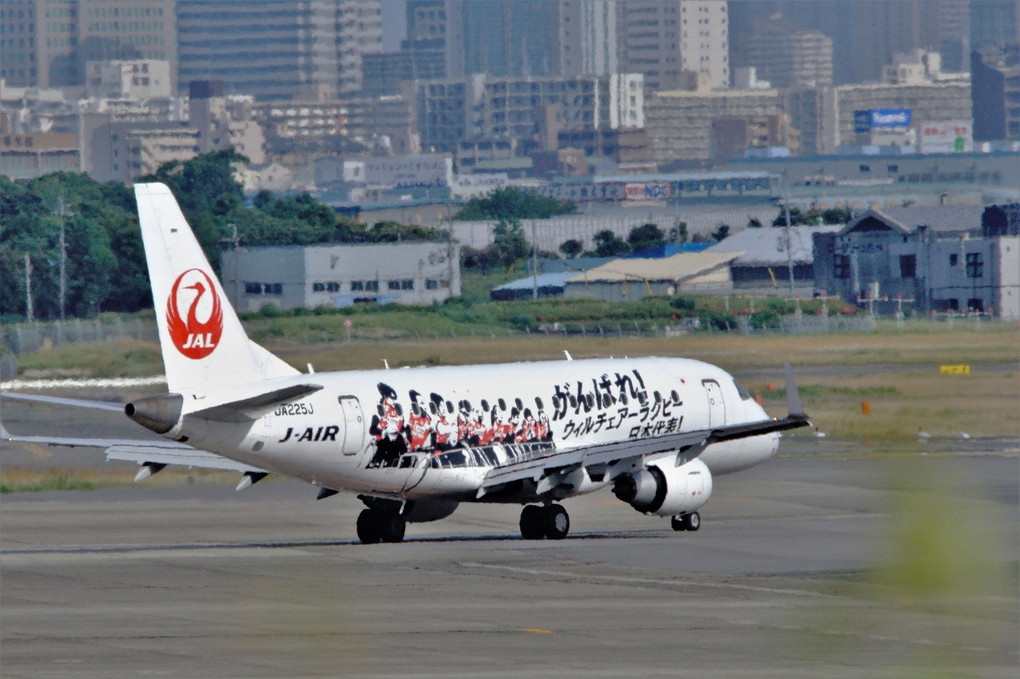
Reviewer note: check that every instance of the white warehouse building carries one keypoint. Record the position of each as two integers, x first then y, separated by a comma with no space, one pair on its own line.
340,275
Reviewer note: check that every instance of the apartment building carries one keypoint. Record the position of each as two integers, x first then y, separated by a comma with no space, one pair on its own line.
278,49
47,43
681,123
662,37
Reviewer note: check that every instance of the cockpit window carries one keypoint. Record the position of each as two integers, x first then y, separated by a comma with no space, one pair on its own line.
740,390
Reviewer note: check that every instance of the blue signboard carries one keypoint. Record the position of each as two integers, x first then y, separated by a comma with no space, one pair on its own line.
885,117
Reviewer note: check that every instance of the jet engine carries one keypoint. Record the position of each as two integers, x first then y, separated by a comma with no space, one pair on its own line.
157,413
660,488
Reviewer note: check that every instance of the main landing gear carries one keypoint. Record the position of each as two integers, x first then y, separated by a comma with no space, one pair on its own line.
690,521
381,524
550,521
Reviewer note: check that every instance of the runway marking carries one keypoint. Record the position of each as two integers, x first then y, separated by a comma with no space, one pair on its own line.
644,581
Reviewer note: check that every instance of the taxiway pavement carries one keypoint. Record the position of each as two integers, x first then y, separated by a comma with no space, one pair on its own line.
818,563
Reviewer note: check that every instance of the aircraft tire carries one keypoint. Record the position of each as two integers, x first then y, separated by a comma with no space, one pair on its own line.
392,527
368,527
531,523
686,522
555,522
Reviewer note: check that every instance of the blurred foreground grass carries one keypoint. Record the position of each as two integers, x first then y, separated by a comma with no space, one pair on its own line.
944,581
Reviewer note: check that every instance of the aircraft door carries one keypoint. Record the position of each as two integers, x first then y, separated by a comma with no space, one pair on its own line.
716,405
354,425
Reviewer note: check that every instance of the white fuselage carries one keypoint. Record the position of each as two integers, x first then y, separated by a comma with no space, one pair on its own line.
436,432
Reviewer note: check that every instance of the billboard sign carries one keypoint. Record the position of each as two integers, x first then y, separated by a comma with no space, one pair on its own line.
865,121
468,186
947,136
647,191
408,171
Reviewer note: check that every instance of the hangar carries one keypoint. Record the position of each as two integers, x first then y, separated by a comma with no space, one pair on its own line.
630,279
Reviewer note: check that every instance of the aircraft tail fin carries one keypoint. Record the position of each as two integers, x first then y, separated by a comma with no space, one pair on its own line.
203,343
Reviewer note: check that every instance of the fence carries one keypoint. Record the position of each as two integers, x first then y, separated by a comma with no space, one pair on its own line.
23,338
28,337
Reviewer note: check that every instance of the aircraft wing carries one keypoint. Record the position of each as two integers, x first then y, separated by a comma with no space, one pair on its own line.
547,471
184,456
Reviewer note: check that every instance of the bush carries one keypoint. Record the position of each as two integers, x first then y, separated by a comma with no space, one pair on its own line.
270,310
717,320
683,303
767,319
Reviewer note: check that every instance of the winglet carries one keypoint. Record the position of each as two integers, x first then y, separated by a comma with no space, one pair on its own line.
793,403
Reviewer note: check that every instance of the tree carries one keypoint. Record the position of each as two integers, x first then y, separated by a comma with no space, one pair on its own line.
508,237
645,236
837,215
678,234
512,203
608,244
721,232
796,217
205,183
754,223
571,248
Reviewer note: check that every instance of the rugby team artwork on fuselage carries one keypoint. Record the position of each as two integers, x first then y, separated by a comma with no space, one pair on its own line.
435,424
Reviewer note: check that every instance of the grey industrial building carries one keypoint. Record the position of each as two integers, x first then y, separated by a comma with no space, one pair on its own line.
945,258
340,275
771,255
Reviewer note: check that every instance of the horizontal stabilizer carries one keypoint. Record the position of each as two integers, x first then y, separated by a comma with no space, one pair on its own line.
235,411
60,401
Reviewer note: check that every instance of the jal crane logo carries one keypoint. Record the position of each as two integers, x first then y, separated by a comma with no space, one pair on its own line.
197,333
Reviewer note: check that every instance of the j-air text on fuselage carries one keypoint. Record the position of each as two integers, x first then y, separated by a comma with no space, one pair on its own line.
414,443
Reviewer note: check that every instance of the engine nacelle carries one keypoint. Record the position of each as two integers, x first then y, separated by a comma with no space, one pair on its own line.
664,489
156,413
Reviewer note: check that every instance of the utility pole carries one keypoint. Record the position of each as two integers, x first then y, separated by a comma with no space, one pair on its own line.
789,242
235,246
534,262
28,287
63,258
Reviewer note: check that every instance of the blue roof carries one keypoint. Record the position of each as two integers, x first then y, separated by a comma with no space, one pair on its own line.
667,250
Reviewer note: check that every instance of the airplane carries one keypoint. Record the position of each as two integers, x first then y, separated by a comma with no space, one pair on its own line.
414,443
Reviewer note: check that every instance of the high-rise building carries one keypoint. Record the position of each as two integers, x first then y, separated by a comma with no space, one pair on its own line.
865,33
491,109
358,33
47,43
994,23
790,58
504,38
954,34
662,38
278,49
588,37
995,90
